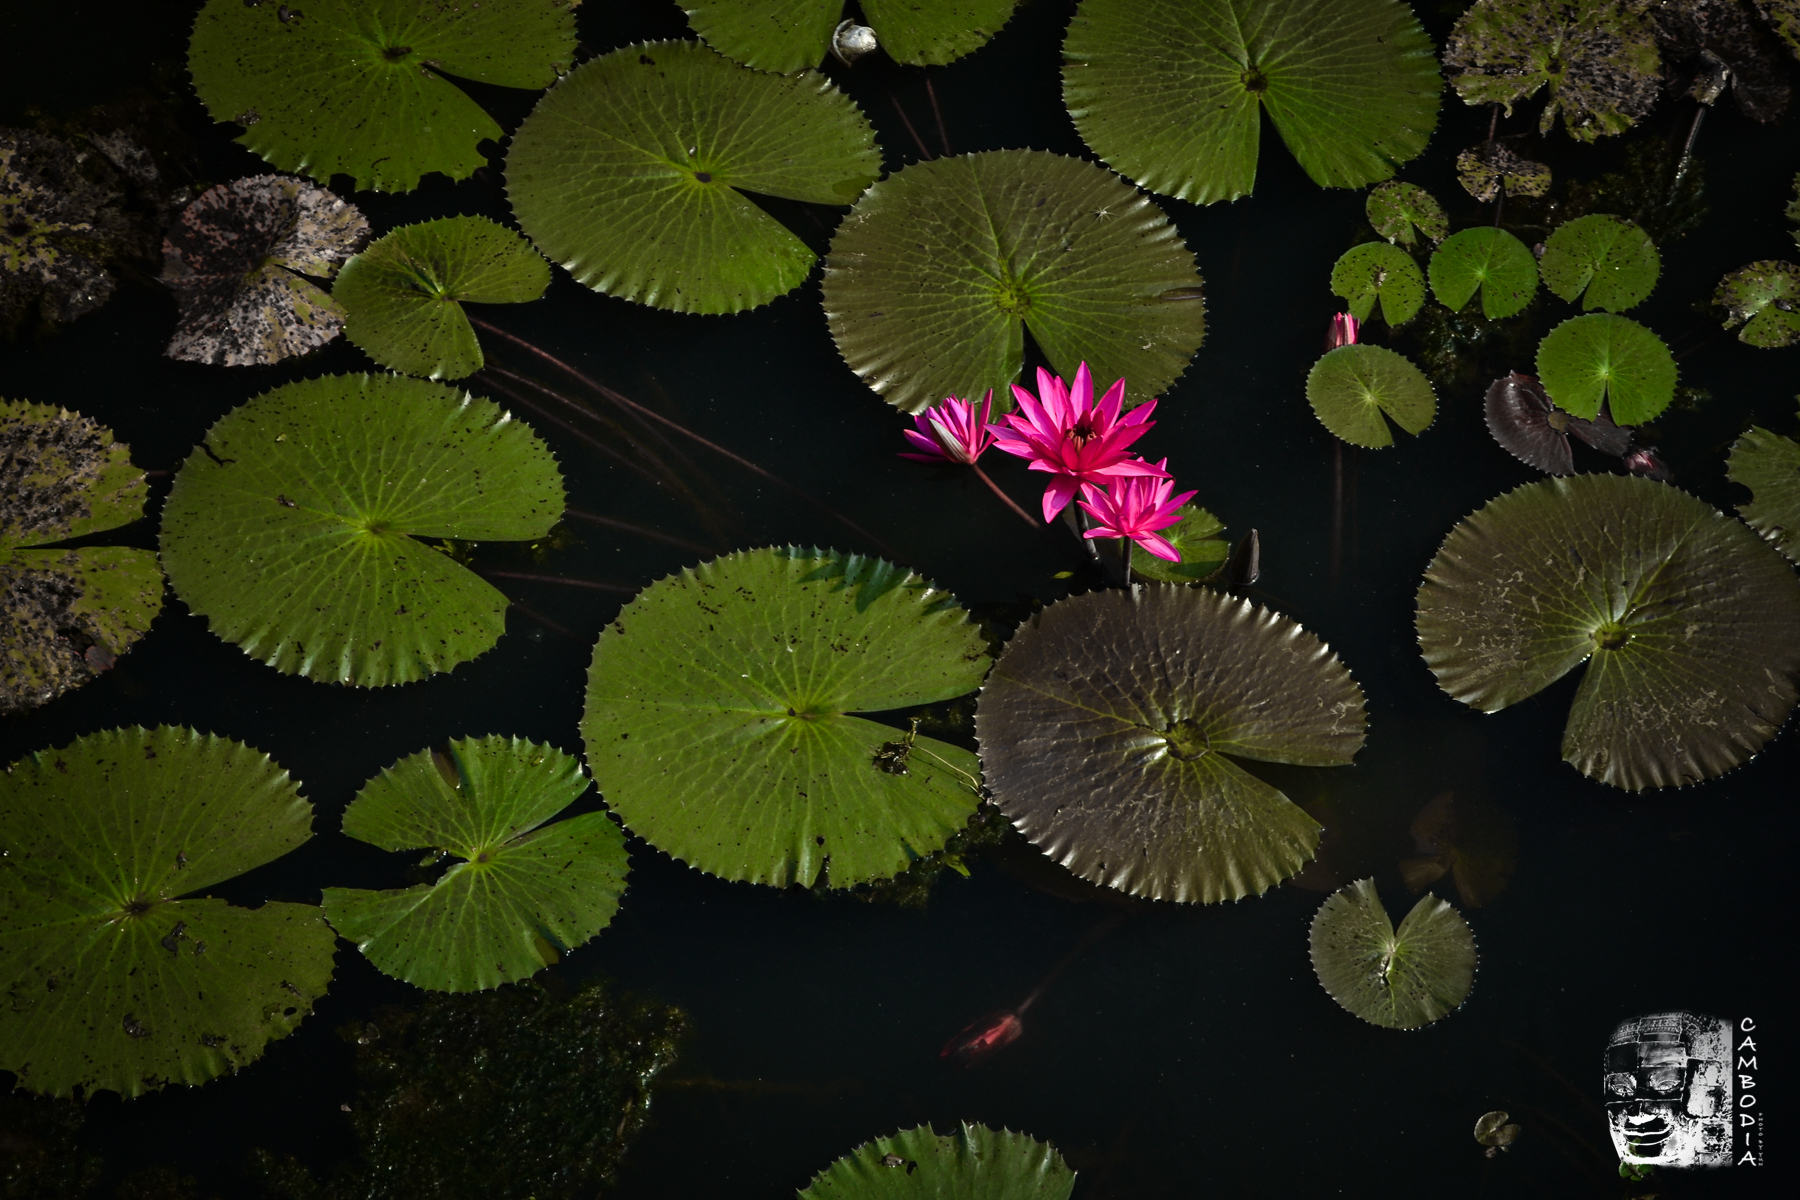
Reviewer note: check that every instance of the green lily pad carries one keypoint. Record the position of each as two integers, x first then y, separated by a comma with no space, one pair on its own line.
114,981
793,34
1769,465
1612,258
1487,170
1170,92
67,613
1764,298
358,87
403,296
525,892
1597,59
1399,210
1196,538
974,1163
936,274
1397,978
1110,727
718,721
631,174
294,529
1487,259
1376,270
1689,624
1351,387
1599,358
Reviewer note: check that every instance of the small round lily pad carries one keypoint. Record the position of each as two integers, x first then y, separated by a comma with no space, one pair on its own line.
1111,727
789,36
1353,386
359,87
1171,93
295,529
974,1163
720,721
936,275
1396,978
1609,258
117,977
1769,465
631,174
1400,211
403,296
1601,358
1488,260
66,614
523,894
1763,297
1377,271
1688,622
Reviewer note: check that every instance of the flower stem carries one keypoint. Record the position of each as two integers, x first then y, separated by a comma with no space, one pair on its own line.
1004,498
1125,560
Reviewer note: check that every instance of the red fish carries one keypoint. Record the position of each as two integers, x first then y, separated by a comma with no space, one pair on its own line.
983,1038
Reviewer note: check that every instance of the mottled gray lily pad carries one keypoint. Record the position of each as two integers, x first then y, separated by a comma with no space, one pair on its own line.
112,979
1354,390
1397,211
1610,258
1763,297
1489,260
631,173
1720,42
1488,169
1378,271
1688,622
525,892
1783,17
1524,420
359,87
403,296
719,720
1171,93
1396,978
1597,59
936,275
1196,538
63,224
235,261
793,34
1600,359
66,614
974,1163
295,528
1110,727
1769,465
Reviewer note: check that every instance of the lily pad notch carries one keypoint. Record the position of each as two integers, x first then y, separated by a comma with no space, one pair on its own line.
630,174
721,723
1170,93
940,269
1688,624
296,529
117,977
1112,727
524,893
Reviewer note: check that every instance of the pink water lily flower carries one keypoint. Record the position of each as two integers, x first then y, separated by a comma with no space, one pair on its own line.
1062,431
952,431
1343,332
1136,508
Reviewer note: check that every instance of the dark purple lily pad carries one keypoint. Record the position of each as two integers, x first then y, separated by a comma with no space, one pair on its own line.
1524,420
232,260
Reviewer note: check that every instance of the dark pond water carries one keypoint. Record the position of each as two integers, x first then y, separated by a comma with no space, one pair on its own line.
1189,1050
